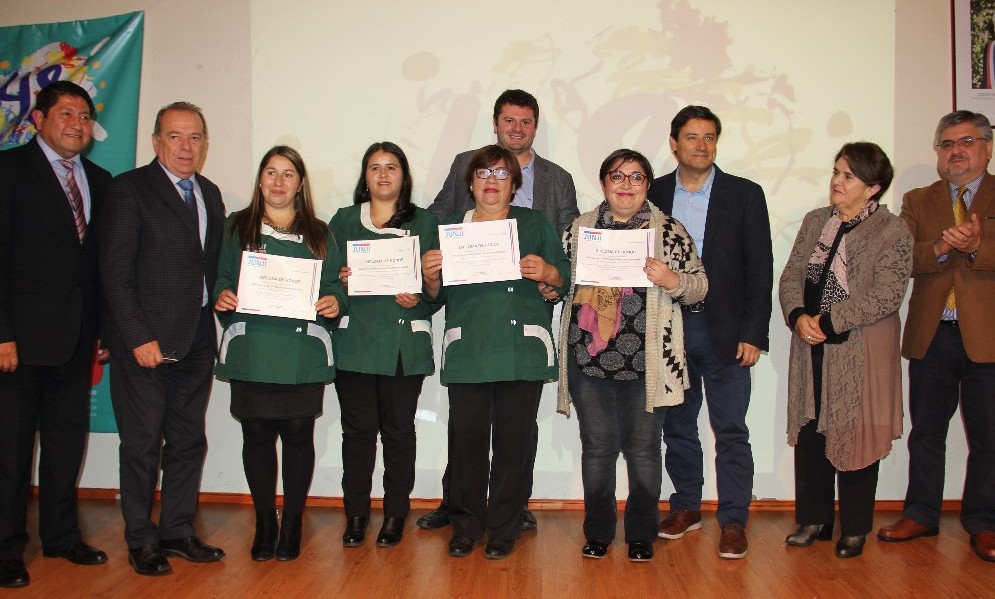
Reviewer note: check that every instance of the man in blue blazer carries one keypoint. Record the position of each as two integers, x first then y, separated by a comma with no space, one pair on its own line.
546,187
161,232
724,335
50,199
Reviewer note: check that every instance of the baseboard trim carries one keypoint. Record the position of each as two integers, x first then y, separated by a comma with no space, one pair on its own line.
758,505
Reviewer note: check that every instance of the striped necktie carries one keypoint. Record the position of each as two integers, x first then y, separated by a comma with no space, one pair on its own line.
75,199
960,215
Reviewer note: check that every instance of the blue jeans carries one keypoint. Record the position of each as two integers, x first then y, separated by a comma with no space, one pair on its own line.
727,391
613,419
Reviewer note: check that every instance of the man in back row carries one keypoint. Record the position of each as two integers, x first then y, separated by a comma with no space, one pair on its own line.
546,187
723,335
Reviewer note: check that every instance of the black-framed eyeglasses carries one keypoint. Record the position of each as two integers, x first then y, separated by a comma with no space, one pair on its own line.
635,179
499,173
965,142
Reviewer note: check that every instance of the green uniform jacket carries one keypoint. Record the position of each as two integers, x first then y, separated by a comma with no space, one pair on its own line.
377,328
269,349
502,331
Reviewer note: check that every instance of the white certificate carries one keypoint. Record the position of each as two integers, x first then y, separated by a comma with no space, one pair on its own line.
384,266
479,252
608,258
278,286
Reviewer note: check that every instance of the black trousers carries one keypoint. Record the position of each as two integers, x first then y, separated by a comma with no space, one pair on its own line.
943,379
374,404
816,478
160,419
493,426
53,401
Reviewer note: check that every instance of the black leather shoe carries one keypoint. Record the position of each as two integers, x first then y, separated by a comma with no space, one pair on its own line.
288,548
808,534
13,574
437,518
595,549
528,520
79,553
355,531
191,549
499,548
850,545
149,560
264,543
391,532
461,546
640,551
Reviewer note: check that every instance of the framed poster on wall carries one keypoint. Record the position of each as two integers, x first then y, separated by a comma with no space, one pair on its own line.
974,55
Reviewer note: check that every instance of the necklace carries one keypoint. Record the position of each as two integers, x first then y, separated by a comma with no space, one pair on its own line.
289,230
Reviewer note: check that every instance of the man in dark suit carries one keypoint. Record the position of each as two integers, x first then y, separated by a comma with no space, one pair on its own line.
724,335
948,333
49,203
162,228
546,187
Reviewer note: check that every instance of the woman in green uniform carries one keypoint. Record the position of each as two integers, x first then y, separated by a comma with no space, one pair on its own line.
497,353
278,367
383,350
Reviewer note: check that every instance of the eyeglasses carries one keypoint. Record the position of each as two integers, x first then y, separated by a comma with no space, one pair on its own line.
964,142
635,179
499,173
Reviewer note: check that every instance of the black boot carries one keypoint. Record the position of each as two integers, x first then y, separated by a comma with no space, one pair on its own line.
355,531
265,540
391,532
289,546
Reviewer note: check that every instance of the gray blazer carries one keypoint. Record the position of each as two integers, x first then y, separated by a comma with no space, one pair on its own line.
553,193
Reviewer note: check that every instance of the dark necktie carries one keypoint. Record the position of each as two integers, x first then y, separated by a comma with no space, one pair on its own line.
75,199
191,201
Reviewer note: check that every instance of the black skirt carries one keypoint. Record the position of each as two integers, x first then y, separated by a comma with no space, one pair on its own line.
271,401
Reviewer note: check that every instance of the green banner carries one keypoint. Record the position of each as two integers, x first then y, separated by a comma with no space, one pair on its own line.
103,56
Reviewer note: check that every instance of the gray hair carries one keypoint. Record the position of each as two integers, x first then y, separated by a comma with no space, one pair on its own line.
186,107
957,117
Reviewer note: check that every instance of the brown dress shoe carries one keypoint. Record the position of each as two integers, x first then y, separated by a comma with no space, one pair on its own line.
983,544
679,522
906,529
732,543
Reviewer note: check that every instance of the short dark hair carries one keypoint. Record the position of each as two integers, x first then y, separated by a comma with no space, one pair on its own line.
693,112
517,97
51,93
405,210
957,117
489,155
869,162
620,157
183,107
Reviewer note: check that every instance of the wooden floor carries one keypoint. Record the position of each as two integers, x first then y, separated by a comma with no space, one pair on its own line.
546,563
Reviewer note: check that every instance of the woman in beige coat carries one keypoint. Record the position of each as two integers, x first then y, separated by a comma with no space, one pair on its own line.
840,293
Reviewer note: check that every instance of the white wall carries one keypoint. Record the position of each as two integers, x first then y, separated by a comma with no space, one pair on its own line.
241,63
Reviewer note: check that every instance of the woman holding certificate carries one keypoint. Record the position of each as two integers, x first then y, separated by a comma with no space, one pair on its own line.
497,350
278,366
622,352
840,292
383,348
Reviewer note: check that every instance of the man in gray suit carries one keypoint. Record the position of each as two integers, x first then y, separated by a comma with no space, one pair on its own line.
546,187
162,227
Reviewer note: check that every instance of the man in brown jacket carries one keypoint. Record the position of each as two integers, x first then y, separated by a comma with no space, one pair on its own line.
949,338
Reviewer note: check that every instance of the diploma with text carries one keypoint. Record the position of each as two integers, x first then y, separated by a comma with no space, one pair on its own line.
278,286
612,258
384,266
479,252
